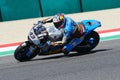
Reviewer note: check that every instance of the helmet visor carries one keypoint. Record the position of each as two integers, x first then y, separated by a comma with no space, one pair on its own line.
58,24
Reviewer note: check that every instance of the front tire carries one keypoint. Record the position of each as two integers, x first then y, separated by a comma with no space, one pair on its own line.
20,53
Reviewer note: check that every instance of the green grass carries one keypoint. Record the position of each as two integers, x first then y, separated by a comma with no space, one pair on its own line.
110,38
7,53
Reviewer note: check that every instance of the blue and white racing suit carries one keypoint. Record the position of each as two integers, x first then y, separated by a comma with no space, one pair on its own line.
71,29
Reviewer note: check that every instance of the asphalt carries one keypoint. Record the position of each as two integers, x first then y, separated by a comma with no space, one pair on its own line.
102,63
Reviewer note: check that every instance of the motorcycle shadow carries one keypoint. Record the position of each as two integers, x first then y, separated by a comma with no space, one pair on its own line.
73,54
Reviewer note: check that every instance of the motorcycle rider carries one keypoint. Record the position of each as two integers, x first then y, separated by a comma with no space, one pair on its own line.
68,27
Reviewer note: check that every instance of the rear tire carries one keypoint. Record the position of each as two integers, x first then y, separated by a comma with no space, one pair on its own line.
20,52
89,43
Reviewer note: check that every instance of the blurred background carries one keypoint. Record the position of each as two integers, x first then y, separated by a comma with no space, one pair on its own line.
24,9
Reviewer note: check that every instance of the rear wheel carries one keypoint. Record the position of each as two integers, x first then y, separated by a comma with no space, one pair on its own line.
24,53
89,43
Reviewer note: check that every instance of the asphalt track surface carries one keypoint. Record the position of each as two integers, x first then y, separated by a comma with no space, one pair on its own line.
102,63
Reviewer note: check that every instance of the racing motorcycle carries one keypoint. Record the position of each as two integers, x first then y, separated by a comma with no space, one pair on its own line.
29,49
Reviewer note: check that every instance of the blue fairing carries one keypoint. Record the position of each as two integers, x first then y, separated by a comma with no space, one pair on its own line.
90,25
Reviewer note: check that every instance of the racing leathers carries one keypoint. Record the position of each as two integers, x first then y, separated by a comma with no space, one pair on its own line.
70,30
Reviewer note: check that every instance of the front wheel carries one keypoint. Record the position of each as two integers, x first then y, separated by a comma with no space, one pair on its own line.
89,43
24,53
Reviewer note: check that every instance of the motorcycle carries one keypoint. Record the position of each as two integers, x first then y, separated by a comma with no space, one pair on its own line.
29,49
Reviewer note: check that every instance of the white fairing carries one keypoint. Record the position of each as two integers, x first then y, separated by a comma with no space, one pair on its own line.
33,37
53,32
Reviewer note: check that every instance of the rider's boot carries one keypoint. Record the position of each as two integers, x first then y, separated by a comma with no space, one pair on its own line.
65,52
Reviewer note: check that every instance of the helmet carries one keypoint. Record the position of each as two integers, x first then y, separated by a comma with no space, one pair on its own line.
59,21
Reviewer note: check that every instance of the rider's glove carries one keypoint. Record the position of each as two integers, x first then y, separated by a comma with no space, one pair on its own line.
44,21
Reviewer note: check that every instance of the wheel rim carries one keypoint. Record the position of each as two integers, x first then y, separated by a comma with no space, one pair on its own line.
92,42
